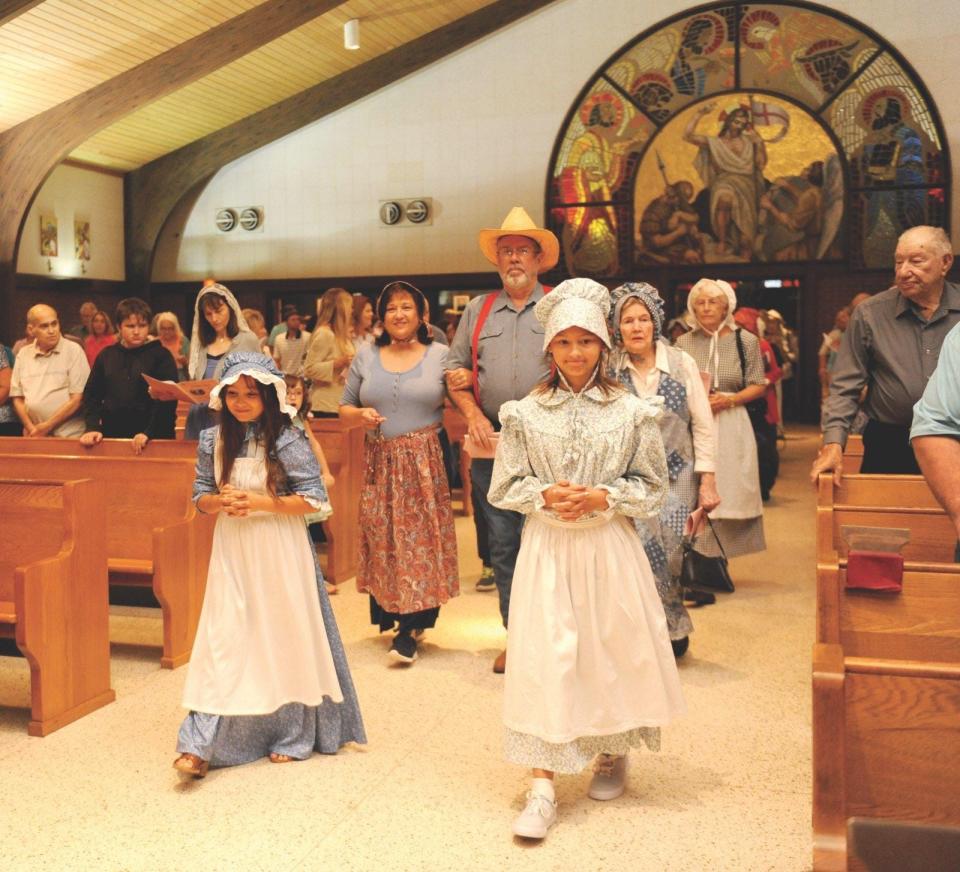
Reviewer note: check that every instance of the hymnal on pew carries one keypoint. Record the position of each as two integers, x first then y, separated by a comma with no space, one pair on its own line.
191,391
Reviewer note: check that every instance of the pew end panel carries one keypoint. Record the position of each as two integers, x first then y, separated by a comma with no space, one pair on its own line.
142,494
829,773
342,444
456,426
886,746
60,609
182,553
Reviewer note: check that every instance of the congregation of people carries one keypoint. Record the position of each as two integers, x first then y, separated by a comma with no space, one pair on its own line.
603,440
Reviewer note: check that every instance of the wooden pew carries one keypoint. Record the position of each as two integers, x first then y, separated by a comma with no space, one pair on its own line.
456,426
897,846
884,501
157,449
922,622
154,535
853,454
342,444
885,745
53,595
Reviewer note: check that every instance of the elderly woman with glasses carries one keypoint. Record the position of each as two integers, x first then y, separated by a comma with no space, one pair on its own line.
647,366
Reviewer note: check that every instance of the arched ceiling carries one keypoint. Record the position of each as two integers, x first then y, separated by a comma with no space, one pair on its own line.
55,50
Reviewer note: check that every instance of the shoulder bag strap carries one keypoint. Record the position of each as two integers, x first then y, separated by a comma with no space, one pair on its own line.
742,355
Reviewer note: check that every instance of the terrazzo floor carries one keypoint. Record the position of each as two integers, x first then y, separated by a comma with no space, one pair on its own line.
730,789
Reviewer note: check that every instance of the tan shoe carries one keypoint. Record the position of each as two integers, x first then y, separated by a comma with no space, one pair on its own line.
191,764
500,664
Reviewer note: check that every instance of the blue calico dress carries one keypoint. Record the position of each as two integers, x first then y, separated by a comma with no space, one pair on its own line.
662,534
268,673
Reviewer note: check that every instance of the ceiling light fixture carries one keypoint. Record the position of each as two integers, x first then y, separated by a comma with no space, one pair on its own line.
351,34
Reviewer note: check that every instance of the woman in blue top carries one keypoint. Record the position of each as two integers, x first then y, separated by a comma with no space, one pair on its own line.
408,546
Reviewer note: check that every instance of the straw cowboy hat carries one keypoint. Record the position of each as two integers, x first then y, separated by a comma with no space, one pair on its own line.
519,223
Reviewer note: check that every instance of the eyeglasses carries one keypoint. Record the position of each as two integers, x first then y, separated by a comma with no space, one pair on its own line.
522,252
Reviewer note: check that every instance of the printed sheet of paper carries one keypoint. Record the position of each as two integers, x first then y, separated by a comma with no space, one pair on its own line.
190,391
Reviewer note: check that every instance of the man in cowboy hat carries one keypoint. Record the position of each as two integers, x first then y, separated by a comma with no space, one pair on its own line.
496,356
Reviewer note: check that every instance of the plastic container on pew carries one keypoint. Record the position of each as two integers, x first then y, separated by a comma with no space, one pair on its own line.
874,559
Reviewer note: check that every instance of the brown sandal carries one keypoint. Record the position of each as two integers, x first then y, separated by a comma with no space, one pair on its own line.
191,764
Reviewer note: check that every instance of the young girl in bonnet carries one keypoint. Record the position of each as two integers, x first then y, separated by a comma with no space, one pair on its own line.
267,674
591,671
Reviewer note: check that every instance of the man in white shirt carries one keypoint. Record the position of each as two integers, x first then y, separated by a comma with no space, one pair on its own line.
48,379
290,347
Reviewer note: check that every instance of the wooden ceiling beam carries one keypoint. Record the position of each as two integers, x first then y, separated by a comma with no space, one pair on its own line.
10,9
153,191
31,150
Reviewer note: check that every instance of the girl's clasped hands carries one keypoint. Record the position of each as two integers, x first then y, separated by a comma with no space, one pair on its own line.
570,502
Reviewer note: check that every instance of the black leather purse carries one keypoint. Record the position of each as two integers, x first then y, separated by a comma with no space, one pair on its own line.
706,574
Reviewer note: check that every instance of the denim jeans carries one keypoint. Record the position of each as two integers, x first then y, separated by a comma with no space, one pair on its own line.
503,530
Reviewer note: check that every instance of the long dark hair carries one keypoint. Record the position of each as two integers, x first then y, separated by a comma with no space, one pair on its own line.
608,386
270,425
424,336
214,301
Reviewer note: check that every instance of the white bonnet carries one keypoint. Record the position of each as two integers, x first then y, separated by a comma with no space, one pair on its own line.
580,303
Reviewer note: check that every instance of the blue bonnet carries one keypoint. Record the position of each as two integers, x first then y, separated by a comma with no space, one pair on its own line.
258,367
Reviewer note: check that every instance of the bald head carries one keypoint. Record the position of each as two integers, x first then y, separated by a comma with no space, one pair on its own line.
45,325
934,239
40,312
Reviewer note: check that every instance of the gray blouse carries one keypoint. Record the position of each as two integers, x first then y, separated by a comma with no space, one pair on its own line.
408,400
611,442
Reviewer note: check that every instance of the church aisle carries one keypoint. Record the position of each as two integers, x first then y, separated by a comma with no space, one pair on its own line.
729,791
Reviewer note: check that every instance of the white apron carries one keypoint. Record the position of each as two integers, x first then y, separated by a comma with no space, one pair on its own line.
587,647
738,475
261,641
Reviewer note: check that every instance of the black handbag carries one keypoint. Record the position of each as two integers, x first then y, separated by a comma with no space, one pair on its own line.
706,574
756,409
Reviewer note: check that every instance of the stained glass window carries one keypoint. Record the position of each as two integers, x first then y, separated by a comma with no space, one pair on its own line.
747,133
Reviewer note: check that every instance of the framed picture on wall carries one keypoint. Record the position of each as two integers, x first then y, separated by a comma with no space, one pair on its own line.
48,235
81,239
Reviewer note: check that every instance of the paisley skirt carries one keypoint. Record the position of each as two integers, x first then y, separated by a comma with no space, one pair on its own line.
408,545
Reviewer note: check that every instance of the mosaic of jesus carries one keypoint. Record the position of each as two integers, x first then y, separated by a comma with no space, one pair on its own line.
740,179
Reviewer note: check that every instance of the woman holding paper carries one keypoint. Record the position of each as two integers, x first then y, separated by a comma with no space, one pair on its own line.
408,546
219,327
116,400
649,367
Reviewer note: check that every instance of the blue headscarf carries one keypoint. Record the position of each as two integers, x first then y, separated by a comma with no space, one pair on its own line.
646,294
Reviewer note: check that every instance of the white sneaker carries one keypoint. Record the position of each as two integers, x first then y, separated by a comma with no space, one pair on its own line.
539,815
609,777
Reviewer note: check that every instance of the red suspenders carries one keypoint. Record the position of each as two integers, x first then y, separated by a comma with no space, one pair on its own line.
475,340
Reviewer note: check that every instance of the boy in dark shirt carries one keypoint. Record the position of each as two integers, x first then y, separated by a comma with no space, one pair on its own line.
116,400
